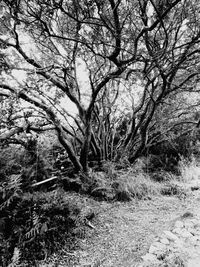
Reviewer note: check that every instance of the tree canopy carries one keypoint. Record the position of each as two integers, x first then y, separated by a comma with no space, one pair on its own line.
126,67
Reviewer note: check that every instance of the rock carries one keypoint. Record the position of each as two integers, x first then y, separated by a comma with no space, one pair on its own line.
195,221
159,245
185,234
194,262
157,249
197,231
179,224
178,244
177,231
182,243
198,244
197,224
164,241
188,224
150,258
169,235
193,240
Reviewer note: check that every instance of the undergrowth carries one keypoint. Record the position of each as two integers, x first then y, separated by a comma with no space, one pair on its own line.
132,183
189,169
35,225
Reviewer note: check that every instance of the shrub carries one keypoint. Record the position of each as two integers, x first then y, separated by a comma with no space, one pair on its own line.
172,188
11,159
110,170
98,185
134,185
189,169
38,224
162,176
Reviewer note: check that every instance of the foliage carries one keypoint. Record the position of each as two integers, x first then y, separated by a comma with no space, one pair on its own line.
173,188
166,154
135,185
123,185
33,162
189,169
11,159
140,60
37,224
134,182
15,261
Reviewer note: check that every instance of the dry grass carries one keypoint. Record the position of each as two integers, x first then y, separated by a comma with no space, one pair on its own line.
135,182
135,185
189,169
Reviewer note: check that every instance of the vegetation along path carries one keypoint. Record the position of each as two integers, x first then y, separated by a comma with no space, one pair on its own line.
124,232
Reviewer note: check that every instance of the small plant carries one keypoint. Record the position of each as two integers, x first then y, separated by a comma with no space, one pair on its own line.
162,176
10,191
110,171
173,188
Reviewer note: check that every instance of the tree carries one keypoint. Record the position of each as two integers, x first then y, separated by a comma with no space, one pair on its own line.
153,44
169,67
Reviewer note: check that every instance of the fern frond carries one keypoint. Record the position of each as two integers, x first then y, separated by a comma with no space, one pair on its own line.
11,190
33,232
15,261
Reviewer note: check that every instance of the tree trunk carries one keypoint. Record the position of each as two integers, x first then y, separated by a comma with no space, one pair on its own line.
86,147
96,147
68,148
139,151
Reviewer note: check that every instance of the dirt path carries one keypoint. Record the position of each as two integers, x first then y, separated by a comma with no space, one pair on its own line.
124,231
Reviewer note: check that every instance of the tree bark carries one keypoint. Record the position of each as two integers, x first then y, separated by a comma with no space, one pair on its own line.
68,148
86,146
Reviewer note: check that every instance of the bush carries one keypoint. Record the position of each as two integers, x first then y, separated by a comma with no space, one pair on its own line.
172,188
11,159
169,153
163,176
133,184
37,224
98,185
189,169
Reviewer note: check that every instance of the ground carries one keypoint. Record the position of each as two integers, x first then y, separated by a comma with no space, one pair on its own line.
122,232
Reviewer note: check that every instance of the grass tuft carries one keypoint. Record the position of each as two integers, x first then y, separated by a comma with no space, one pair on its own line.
189,169
135,185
